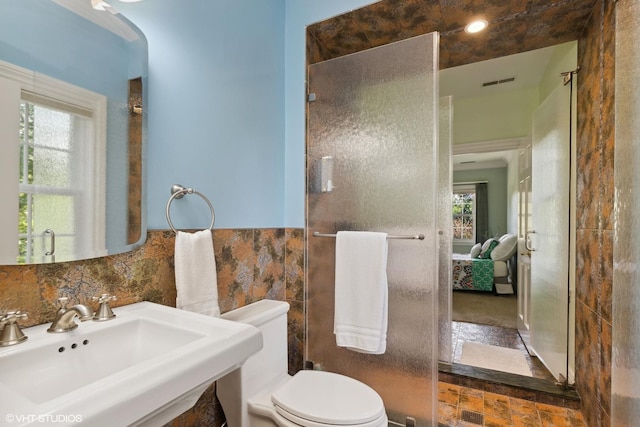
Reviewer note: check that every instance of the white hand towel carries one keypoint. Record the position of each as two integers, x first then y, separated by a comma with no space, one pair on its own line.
361,296
196,278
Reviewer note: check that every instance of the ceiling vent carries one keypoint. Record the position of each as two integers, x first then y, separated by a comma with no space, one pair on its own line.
498,82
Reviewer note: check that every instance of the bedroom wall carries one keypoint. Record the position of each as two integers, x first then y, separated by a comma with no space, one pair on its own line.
497,188
564,58
499,116
508,115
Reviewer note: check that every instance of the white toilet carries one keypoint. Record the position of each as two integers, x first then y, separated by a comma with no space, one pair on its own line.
262,393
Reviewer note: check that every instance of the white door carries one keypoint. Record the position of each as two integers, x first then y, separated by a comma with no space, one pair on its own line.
549,240
524,255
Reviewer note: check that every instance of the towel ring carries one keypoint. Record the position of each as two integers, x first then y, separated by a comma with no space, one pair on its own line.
178,192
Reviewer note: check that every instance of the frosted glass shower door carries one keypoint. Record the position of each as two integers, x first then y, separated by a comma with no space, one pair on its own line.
372,165
550,175
625,358
445,230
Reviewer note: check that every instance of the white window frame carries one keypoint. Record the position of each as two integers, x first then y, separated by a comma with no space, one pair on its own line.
17,83
466,189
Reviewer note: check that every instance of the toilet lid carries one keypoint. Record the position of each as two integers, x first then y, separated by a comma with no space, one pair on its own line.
328,398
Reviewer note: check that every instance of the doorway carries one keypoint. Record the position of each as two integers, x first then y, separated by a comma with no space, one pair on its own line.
499,106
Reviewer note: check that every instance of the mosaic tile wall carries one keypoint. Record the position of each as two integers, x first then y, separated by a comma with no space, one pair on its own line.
516,26
134,214
594,235
252,264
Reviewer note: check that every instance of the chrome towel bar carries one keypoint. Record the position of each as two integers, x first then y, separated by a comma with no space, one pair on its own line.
390,236
178,192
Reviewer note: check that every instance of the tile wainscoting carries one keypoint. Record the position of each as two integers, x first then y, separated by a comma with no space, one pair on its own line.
252,264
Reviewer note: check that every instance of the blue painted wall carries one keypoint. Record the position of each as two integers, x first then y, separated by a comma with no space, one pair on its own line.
215,109
226,107
300,14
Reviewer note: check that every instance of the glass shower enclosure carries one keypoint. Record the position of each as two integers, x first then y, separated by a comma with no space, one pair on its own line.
625,369
372,165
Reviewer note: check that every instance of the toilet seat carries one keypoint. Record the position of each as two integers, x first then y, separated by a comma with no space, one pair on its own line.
317,398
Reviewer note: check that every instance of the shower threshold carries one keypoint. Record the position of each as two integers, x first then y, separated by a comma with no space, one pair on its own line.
537,389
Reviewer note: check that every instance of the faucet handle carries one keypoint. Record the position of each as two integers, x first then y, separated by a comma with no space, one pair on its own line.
11,333
104,311
62,302
12,317
104,298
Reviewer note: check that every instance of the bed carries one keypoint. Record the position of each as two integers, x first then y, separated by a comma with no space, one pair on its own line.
486,268
476,274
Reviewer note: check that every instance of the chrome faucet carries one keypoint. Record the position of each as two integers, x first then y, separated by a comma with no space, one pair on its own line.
104,311
10,332
64,321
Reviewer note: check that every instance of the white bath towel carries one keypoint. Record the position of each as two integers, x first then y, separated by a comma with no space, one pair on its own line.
361,291
196,278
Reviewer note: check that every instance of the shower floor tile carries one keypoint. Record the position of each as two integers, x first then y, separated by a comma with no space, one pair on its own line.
457,405
494,335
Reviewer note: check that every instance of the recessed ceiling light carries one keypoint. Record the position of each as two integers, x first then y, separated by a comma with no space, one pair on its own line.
476,26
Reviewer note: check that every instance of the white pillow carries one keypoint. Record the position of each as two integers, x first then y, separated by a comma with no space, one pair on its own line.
486,244
487,247
506,248
475,250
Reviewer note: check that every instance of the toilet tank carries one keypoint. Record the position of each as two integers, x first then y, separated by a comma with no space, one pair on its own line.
260,370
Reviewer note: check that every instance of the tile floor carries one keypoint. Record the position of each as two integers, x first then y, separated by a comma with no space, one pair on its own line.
497,410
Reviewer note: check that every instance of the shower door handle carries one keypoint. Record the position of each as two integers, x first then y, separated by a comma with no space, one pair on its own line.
527,240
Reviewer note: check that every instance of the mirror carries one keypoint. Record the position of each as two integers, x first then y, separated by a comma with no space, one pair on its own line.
72,131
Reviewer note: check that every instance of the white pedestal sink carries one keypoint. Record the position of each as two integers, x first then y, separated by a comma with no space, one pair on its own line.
145,367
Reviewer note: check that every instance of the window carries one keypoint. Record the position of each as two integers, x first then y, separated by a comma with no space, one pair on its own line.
464,217
52,146
53,137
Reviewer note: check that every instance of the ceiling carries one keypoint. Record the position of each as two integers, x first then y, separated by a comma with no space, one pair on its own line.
102,18
466,81
496,159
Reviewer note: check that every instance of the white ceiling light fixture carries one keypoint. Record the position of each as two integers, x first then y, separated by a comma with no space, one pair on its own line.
476,26
100,5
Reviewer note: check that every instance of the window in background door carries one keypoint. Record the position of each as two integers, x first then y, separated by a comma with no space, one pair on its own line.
464,217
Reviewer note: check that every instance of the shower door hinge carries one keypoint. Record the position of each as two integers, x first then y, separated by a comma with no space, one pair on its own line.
567,76
311,97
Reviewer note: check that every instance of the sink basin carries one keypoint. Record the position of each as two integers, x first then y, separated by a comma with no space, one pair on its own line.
145,367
